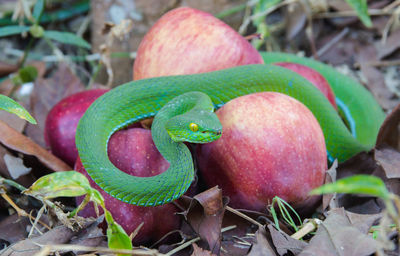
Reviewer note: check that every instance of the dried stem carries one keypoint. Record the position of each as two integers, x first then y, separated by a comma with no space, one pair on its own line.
244,216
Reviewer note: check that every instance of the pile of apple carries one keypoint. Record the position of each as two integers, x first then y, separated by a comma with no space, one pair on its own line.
272,145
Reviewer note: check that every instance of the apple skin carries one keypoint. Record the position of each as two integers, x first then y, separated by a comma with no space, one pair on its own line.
313,77
271,145
133,151
188,41
62,120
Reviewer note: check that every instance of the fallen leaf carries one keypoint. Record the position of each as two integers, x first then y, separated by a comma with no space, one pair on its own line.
337,236
295,20
205,214
6,87
6,68
392,44
13,228
15,166
16,141
48,92
12,120
285,243
330,199
261,246
389,159
197,251
238,241
57,235
363,222
389,132
376,81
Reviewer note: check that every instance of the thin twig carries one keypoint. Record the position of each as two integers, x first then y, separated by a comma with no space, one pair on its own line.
384,63
332,42
71,247
182,246
244,216
247,21
351,13
34,225
20,211
188,243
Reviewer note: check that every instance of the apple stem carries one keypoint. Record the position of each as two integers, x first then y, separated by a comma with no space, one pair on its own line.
253,36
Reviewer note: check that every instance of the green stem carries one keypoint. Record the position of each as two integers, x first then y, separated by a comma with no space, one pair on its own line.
231,11
85,201
26,53
12,183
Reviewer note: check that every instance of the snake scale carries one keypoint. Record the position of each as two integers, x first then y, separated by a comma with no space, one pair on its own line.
142,99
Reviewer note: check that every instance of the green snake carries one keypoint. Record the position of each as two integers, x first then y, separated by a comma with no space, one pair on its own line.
142,99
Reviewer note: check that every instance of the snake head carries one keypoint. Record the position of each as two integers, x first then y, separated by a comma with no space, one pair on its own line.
195,126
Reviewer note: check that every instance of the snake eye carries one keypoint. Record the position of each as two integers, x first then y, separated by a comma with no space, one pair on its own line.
193,127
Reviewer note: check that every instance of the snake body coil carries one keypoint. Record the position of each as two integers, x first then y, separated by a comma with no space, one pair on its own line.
141,99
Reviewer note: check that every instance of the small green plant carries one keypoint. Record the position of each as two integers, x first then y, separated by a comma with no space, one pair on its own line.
258,10
72,184
283,207
366,185
37,31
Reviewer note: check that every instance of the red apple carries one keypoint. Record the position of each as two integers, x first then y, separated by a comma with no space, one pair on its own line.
314,77
271,145
62,120
134,152
188,41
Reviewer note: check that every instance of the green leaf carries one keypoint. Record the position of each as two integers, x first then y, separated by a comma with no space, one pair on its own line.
13,107
58,184
38,10
357,184
361,8
116,235
67,38
12,30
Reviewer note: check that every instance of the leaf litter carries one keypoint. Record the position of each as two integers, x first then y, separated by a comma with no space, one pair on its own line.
346,219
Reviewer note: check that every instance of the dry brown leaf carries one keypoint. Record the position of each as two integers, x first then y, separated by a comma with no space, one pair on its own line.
58,235
13,228
389,132
92,236
197,251
330,199
389,159
363,163
391,45
6,68
295,20
261,246
285,243
16,141
363,222
337,236
48,92
376,81
13,120
205,214
6,87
